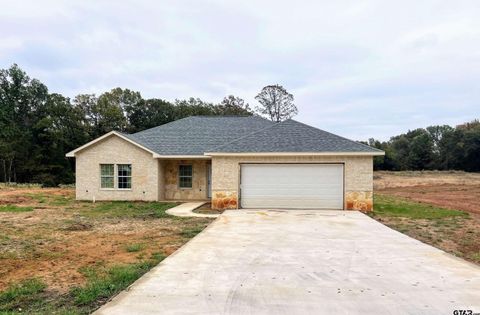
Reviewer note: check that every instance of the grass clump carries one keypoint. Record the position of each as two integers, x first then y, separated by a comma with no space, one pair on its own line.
50,199
397,207
104,283
191,232
27,292
127,209
14,208
133,248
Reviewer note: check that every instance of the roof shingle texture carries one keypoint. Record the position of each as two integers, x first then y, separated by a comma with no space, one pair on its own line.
292,136
197,135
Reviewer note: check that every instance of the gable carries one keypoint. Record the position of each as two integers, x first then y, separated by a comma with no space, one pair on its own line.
107,140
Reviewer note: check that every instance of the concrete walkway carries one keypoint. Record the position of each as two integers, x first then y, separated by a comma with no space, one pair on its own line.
186,210
303,262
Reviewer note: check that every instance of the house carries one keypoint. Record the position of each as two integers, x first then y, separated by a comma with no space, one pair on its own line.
237,162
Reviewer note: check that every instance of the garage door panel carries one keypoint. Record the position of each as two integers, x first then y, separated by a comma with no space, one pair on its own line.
302,186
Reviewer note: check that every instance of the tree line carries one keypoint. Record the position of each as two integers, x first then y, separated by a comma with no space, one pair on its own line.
37,128
432,148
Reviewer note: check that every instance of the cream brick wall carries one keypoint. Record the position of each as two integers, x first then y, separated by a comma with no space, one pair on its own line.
114,150
358,177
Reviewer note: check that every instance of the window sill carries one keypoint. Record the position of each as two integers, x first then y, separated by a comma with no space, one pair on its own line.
115,189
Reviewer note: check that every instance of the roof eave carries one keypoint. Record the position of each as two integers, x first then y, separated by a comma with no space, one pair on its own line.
182,157
111,133
372,153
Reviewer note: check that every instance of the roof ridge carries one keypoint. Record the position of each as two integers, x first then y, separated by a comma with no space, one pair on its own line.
247,135
202,116
299,122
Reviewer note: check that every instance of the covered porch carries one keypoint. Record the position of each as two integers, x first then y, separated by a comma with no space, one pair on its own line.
185,179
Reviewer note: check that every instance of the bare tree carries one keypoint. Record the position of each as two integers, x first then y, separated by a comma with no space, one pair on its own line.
277,103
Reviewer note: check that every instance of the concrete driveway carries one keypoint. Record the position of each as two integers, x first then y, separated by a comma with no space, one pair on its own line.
303,262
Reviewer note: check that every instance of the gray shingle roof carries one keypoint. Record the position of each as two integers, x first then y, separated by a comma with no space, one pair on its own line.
197,135
292,136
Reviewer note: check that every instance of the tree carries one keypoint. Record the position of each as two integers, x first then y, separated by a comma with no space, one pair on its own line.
150,113
21,102
232,105
276,103
60,129
420,154
193,107
113,109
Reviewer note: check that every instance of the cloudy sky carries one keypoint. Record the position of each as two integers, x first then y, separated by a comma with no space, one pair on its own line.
357,68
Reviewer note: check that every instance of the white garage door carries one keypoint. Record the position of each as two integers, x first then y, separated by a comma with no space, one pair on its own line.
295,186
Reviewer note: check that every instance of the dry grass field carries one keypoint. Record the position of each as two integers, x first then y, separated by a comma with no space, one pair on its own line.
58,255
438,208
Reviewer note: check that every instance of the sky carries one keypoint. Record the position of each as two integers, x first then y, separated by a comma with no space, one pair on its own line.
359,69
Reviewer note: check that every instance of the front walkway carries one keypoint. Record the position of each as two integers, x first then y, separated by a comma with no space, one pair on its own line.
303,262
186,210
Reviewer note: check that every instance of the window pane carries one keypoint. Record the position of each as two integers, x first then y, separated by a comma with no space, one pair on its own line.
185,182
185,170
124,169
124,179
106,169
107,182
124,182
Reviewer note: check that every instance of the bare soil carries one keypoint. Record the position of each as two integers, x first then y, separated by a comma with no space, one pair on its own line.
451,190
56,240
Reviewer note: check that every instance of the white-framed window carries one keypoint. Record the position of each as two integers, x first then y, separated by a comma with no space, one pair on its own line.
107,173
185,176
124,179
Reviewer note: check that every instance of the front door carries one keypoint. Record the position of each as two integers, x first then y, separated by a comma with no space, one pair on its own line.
209,180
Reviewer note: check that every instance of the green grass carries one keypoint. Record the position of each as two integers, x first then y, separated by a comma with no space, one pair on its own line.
102,284
26,292
14,208
133,248
126,209
398,207
475,256
50,199
191,232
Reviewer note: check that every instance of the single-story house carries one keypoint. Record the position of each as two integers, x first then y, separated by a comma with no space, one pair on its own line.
236,162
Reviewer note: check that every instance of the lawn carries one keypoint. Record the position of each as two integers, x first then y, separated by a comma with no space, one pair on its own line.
423,206
61,256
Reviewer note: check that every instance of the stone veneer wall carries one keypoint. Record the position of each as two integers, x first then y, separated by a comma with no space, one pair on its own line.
199,185
114,150
358,178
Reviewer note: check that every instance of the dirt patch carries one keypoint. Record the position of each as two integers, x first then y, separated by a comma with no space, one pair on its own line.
207,209
459,197
384,179
58,239
454,190
451,190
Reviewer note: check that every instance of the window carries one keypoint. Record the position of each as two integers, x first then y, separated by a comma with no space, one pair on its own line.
185,174
124,176
106,175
